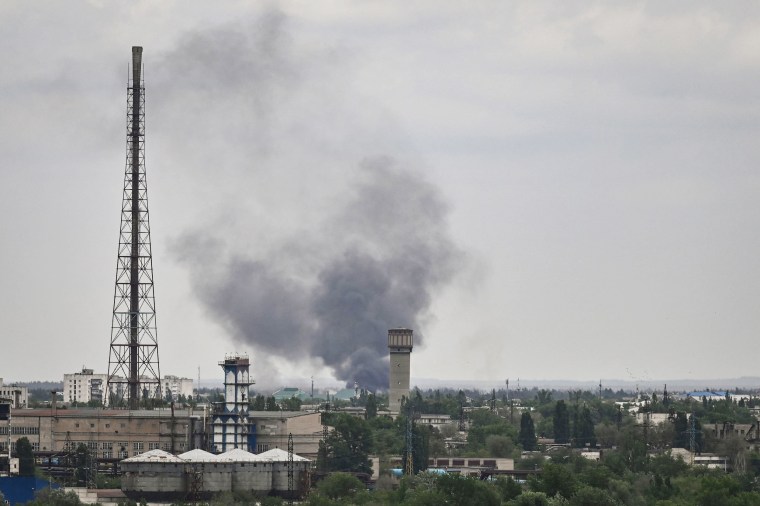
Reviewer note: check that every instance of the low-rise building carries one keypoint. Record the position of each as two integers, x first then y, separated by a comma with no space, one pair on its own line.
18,395
272,429
110,434
438,421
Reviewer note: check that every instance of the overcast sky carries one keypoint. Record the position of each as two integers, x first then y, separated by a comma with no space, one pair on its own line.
559,190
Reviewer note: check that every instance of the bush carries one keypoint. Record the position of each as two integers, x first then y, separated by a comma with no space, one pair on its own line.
50,497
339,485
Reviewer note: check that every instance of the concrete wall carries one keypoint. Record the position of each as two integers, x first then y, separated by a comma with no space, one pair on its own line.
255,476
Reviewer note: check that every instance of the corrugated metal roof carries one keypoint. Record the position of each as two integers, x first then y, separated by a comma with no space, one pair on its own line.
155,456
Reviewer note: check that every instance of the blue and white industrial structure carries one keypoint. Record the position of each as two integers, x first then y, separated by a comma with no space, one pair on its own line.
232,428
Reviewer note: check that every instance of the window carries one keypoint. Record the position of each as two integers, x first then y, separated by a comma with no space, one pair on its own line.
166,447
108,426
137,446
261,448
122,454
35,447
153,446
107,454
92,425
92,445
107,445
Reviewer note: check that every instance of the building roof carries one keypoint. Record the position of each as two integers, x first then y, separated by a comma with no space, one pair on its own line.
278,455
706,394
237,455
290,393
155,456
277,414
197,455
107,413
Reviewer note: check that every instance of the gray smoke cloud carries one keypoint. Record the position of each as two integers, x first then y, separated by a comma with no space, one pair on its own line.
302,260
394,253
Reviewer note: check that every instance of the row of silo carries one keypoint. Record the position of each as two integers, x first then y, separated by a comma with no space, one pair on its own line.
158,475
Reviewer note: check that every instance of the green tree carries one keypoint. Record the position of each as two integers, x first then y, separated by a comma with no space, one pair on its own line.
371,406
508,487
271,404
530,499
466,491
585,432
83,464
590,496
57,497
561,423
527,437
339,485
347,445
681,426
499,446
555,479
259,403
291,404
25,457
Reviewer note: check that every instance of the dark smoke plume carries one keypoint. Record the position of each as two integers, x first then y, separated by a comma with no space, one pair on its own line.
395,253
365,254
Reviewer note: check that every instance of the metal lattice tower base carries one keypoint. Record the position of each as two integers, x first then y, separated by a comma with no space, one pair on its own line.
291,470
133,370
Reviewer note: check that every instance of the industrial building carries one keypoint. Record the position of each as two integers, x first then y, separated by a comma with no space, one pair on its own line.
158,475
400,343
231,427
108,434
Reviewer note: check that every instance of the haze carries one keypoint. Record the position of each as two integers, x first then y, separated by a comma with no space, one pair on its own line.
558,190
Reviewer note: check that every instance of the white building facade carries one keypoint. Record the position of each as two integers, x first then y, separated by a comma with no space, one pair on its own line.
177,386
85,386
18,395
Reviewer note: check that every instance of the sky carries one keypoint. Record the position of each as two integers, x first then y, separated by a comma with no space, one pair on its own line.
541,190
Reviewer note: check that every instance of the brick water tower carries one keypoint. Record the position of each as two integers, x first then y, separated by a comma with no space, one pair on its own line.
400,342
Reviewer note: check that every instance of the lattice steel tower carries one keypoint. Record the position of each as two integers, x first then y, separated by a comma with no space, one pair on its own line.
133,371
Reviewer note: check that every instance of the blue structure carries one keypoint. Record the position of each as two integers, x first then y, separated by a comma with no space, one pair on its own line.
21,489
230,423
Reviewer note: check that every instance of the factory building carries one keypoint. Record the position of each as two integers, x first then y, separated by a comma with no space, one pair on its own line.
85,386
231,427
17,395
271,430
160,476
400,343
109,434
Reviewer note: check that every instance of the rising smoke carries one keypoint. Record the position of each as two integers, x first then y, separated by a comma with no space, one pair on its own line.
371,255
